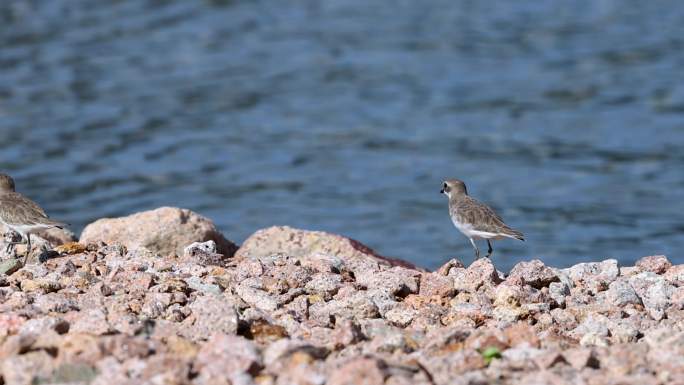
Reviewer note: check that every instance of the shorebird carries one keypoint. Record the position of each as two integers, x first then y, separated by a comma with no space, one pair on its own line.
21,214
475,219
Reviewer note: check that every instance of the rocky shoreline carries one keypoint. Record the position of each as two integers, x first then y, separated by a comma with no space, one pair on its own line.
161,297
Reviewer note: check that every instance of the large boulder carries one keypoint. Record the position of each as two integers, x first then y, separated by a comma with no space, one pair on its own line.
303,243
166,230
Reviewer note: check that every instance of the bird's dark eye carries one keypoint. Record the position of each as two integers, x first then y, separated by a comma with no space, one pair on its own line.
445,186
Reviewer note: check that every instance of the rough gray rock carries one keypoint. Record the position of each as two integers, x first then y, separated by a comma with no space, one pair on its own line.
533,273
621,293
654,291
595,276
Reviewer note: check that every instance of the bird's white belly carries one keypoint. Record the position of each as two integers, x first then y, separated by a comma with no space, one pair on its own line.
468,230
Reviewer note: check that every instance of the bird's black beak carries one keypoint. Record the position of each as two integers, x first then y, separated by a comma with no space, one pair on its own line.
441,191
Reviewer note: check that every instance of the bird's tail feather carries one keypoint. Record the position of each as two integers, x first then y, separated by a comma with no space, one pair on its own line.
515,234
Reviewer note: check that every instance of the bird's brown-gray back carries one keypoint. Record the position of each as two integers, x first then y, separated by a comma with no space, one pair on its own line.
16,209
480,216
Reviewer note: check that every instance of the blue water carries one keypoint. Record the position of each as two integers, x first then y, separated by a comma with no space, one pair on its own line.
345,116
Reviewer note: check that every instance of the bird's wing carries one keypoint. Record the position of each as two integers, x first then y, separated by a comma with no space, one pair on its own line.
16,209
484,218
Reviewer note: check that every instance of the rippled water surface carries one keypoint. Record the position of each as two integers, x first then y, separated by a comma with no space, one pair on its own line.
346,115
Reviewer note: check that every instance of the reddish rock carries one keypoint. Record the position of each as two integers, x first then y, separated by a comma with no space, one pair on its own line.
625,359
655,264
580,358
303,244
522,334
91,321
10,323
482,339
111,315
675,275
226,356
359,371
80,348
346,333
444,368
677,298
166,231
549,359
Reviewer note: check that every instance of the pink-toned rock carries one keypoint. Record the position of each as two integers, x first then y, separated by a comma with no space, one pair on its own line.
203,254
227,355
533,273
625,359
166,231
26,368
675,275
346,333
398,281
210,314
451,264
550,359
655,264
80,348
580,358
435,284
10,323
522,334
324,284
165,369
304,243
444,368
480,273
359,371
677,297
91,321
279,352
596,276
109,315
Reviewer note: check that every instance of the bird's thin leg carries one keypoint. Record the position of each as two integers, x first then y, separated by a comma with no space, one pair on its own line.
489,252
28,248
477,251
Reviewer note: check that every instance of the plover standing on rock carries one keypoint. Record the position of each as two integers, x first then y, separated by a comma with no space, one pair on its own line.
475,219
21,214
